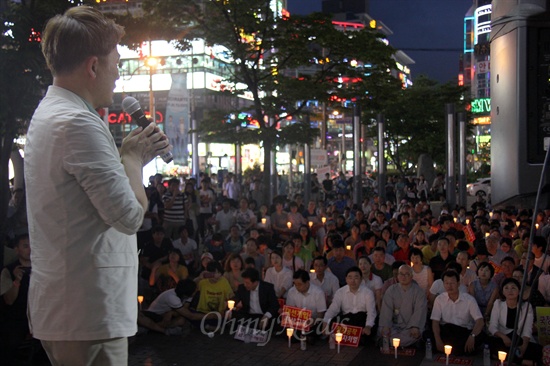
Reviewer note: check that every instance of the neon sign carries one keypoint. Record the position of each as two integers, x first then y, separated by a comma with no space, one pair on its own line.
482,105
122,118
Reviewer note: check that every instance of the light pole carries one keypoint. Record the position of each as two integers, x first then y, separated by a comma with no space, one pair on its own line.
152,63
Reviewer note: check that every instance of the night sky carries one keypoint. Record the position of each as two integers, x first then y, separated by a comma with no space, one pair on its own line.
436,25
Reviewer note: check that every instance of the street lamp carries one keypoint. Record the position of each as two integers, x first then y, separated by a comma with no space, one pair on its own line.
152,63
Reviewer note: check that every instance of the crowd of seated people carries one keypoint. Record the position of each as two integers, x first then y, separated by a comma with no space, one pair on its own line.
376,254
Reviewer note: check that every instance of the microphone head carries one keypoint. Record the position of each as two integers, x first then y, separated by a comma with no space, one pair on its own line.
130,105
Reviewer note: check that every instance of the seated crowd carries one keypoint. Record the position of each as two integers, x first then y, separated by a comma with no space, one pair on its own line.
393,271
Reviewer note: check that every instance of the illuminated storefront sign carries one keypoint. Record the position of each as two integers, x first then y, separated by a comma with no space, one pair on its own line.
482,26
482,121
121,117
482,105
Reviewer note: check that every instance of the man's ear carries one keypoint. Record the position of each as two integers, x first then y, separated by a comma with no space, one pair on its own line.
91,66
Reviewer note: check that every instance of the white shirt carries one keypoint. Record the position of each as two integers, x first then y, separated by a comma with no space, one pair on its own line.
82,219
329,284
225,219
463,312
165,302
345,302
187,249
279,279
374,284
313,299
255,307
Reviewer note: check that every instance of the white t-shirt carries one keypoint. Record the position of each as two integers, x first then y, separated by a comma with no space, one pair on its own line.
165,302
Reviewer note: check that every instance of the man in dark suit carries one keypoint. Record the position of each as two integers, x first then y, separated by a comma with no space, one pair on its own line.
256,299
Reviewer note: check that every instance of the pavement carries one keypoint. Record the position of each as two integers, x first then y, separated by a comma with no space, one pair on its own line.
155,349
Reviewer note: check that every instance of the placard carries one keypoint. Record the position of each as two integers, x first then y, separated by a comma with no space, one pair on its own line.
251,335
296,318
351,335
543,325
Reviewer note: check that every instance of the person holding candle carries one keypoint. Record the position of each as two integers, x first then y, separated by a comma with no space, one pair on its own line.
255,299
502,324
456,318
279,220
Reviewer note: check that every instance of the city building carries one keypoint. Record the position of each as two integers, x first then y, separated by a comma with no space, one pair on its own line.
475,73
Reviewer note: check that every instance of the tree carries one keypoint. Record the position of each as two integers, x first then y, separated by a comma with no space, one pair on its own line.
283,62
23,75
415,122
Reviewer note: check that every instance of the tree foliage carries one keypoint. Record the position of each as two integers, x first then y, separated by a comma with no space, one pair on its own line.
282,62
415,122
23,74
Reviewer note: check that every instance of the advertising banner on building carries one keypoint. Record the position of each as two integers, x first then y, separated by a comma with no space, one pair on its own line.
177,123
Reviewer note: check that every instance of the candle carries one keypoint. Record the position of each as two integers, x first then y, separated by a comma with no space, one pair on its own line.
289,224
467,221
289,333
491,215
487,234
140,300
264,220
310,223
338,337
312,271
501,357
323,219
348,247
396,342
230,304
448,350
517,223
537,226
455,219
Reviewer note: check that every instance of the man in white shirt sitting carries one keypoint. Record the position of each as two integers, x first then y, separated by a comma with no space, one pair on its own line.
456,318
352,304
188,248
305,295
324,279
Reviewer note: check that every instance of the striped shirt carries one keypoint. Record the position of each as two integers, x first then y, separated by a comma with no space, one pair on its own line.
177,212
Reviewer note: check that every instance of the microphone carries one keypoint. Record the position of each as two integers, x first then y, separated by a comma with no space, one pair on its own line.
131,106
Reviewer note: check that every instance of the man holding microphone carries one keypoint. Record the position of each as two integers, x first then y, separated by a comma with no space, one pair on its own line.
86,200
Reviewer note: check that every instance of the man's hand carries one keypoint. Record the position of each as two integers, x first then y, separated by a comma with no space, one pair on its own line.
414,332
144,144
470,344
264,322
18,272
366,330
439,345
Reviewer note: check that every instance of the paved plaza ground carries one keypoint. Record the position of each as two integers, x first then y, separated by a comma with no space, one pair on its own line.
195,348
